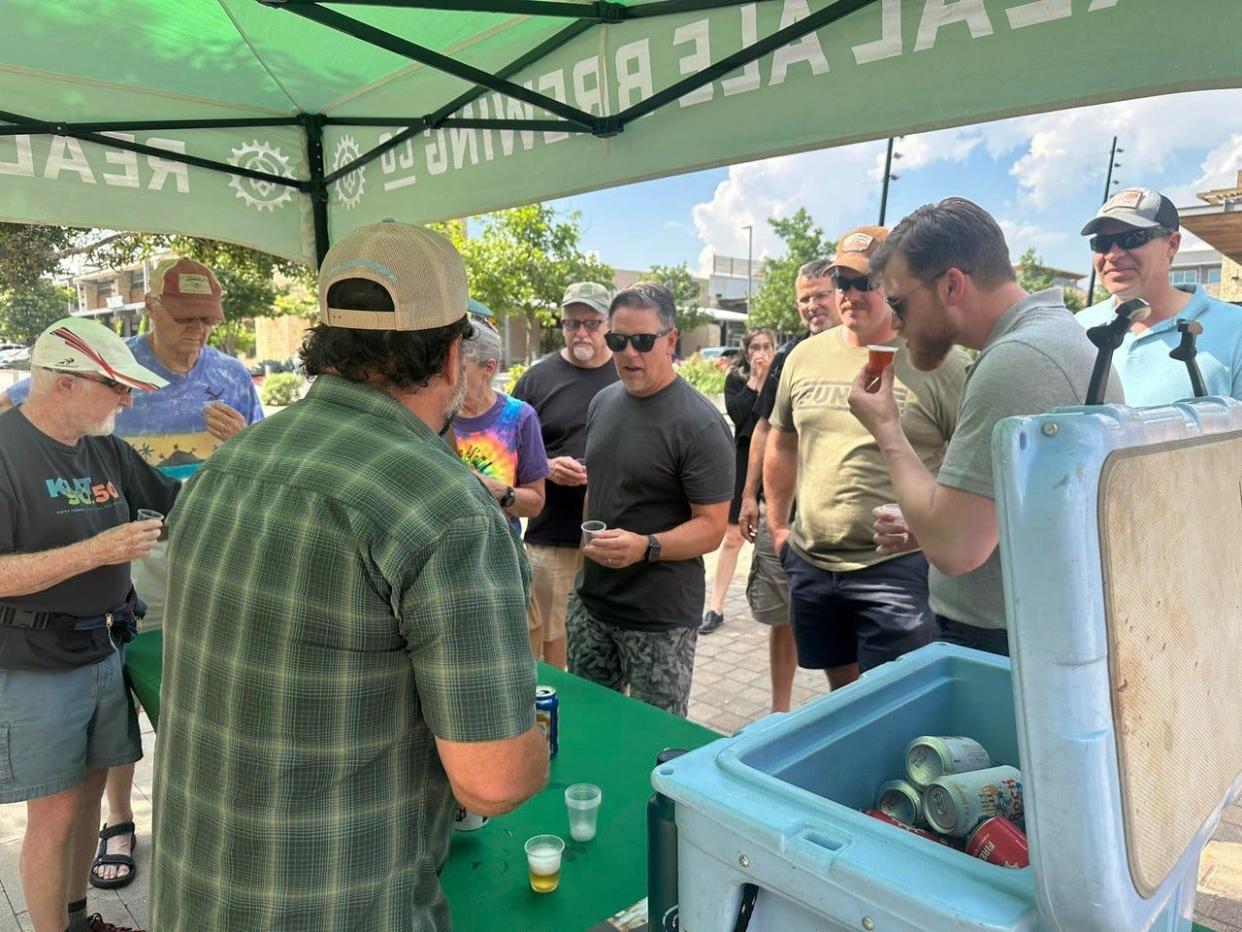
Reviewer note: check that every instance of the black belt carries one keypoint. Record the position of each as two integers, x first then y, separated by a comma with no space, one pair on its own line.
39,621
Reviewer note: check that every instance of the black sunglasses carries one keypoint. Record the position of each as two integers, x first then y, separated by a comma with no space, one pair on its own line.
570,325
119,388
1131,239
897,304
845,283
643,342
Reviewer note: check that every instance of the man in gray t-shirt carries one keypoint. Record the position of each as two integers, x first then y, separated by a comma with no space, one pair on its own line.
949,281
660,462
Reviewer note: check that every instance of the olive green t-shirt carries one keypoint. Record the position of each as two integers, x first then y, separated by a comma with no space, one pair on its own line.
842,475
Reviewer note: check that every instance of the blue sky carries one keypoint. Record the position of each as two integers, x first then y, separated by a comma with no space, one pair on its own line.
1042,176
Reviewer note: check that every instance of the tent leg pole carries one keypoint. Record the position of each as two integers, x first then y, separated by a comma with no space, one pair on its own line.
313,123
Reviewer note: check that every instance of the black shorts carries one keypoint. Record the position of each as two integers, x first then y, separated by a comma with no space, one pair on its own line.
867,616
741,458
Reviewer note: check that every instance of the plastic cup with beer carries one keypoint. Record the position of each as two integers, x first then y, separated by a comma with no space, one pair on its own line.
543,858
590,529
583,801
879,358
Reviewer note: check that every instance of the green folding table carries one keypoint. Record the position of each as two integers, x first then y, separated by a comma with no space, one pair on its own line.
606,739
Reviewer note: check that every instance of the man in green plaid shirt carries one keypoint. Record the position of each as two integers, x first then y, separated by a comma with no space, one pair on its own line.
345,643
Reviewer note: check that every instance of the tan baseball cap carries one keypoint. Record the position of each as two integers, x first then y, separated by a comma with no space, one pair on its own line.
74,344
856,248
594,296
420,270
188,290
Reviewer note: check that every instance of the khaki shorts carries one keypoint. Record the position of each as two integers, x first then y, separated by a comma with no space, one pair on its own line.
554,569
767,589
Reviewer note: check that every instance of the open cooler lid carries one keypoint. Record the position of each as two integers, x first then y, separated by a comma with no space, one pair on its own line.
1123,589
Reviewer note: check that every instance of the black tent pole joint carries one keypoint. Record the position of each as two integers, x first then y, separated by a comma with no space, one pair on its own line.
1186,352
312,124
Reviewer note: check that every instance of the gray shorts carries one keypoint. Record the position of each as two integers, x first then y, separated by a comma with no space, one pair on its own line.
656,665
767,588
57,724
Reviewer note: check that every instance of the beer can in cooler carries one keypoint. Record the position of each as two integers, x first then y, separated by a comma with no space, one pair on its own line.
999,841
901,800
922,833
929,757
956,803
466,821
548,716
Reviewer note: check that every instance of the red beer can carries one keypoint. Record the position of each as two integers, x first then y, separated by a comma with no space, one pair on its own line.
999,841
885,817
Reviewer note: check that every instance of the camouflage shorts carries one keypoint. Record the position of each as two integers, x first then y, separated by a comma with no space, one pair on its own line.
656,665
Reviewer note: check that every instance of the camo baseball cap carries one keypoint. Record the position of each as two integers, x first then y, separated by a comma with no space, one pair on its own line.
421,271
594,296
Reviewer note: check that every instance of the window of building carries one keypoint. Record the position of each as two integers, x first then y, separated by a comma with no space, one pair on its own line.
1213,275
1184,276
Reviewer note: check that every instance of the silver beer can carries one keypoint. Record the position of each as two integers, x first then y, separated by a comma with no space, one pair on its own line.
902,800
929,757
956,803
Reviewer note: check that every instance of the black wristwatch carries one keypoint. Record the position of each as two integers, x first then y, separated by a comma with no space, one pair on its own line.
653,549
509,497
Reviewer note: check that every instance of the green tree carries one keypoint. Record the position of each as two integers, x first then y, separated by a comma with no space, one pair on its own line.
521,261
27,311
687,294
774,304
1034,276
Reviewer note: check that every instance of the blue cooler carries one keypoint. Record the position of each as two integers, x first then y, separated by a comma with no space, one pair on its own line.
1123,584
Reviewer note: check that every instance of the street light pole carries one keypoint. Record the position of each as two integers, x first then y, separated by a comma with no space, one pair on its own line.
1108,187
750,248
888,176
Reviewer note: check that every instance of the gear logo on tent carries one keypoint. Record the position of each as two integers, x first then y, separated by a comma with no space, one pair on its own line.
260,156
349,188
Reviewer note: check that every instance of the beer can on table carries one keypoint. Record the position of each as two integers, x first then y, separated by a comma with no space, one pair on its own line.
901,800
998,841
548,716
955,804
885,817
466,821
929,757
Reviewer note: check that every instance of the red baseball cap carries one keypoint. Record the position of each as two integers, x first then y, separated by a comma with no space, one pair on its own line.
188,289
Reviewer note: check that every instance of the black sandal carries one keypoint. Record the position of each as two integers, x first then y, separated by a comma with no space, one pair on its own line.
121,860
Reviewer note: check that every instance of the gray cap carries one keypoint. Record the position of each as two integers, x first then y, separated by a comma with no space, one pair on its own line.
1143,208
594,296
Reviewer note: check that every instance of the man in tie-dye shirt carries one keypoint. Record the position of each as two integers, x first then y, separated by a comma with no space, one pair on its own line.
498,437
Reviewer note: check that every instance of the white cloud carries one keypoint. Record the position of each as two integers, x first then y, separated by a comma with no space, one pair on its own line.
1057,162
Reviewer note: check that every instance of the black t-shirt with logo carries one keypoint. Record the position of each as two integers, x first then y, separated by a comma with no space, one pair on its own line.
560,392
53,495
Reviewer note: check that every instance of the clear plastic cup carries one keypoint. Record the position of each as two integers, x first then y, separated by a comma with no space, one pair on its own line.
583,801
543,859
591,528
149,514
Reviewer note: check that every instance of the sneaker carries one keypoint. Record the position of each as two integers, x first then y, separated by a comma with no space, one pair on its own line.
711,621
97,923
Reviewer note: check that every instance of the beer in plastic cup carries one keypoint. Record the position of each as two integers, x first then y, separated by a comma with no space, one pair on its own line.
590,529
583,800
543,858
879,358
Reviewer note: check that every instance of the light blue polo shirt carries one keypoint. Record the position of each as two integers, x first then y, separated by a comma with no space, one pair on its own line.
1150,377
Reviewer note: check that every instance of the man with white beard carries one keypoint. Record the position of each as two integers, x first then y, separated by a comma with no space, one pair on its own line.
560,389
70,525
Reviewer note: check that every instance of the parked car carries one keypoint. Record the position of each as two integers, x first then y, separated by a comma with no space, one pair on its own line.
722,356
14,356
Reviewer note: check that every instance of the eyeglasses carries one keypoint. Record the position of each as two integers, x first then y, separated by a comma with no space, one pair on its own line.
643,342
845,283
898,304
119,388
1131,239
569,325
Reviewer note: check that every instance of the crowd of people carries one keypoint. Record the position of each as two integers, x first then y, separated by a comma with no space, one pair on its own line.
351,614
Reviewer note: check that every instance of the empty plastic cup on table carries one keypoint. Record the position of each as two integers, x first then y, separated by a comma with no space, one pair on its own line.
590,528
583,801
543,858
